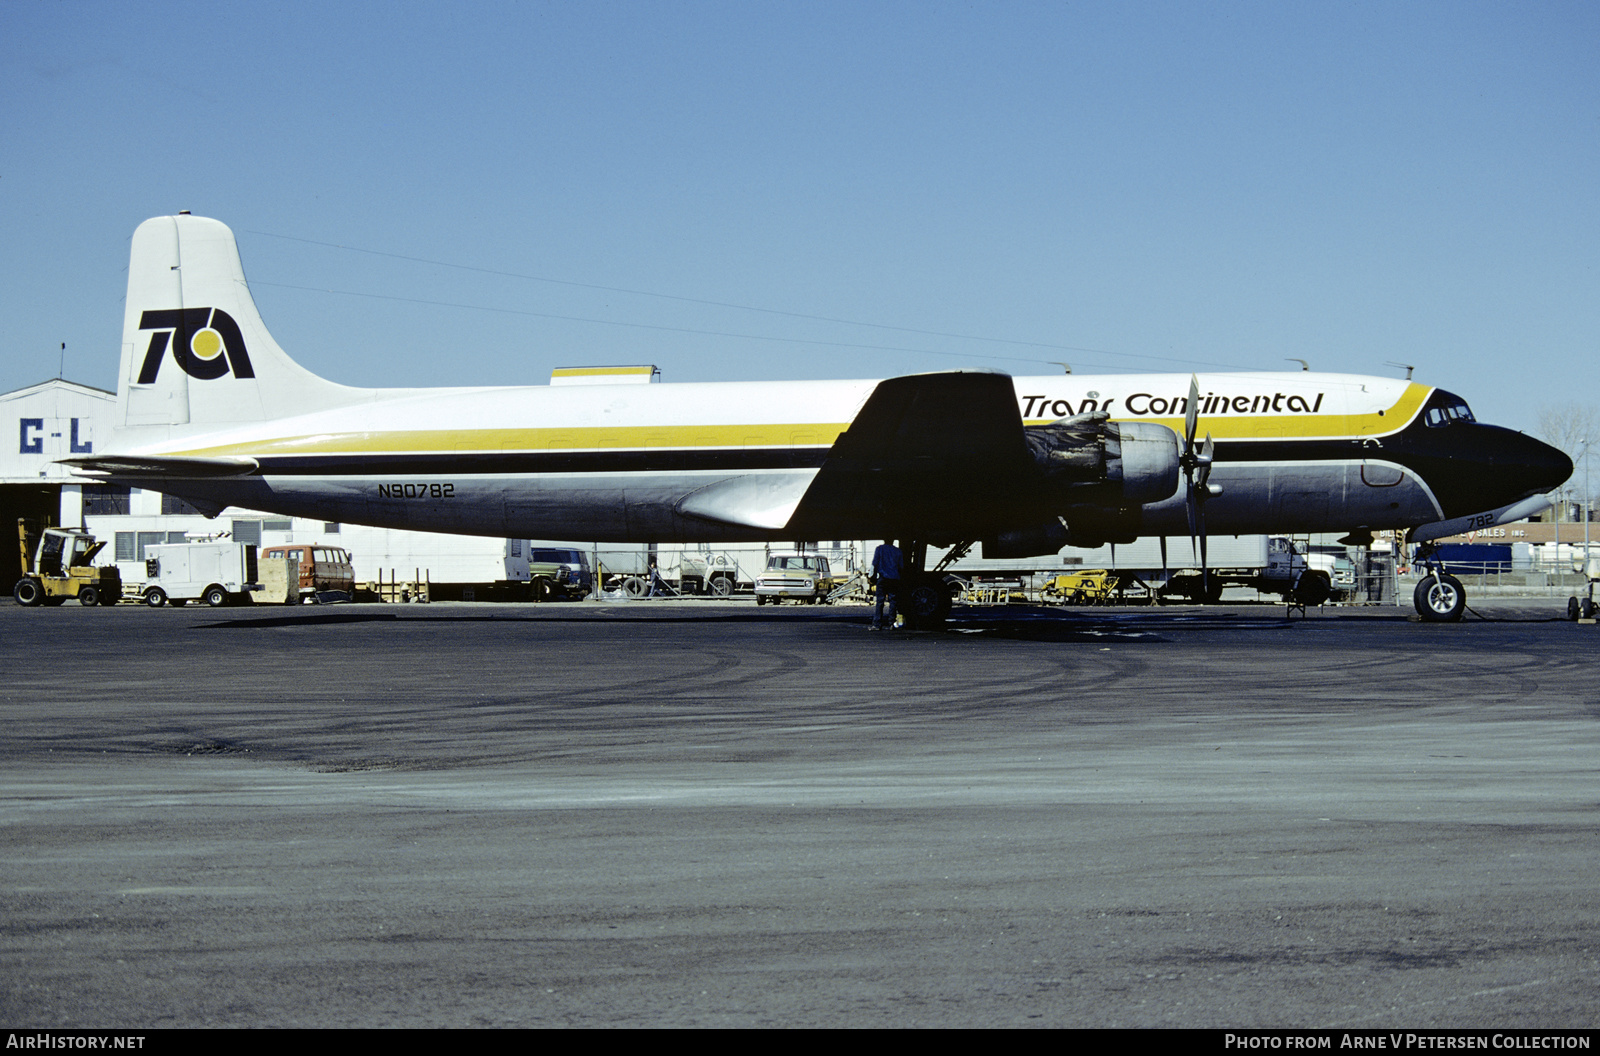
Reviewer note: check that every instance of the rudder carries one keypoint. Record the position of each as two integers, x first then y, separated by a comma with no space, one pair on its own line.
194,348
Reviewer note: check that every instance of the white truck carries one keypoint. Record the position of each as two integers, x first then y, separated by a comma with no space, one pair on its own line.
219,573
1269,564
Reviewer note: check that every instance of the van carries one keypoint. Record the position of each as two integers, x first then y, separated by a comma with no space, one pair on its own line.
322,568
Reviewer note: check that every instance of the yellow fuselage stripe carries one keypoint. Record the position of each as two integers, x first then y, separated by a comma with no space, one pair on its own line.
793,434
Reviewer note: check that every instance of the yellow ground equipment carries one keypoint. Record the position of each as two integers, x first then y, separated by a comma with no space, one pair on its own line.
1083,588
57,564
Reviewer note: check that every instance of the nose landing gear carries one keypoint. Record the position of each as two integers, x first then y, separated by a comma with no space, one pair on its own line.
1439,597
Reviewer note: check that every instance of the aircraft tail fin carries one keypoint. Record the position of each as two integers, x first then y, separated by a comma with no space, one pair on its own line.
194,348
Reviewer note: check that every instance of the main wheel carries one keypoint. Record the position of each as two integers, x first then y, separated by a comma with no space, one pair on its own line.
925,603
1313,588
155,597
1440,599
28,592
88,597
216,597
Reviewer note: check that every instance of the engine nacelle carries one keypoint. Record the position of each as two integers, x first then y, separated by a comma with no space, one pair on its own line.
1097,474
1126,463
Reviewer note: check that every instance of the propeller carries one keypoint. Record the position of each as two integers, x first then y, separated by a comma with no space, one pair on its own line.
1196,463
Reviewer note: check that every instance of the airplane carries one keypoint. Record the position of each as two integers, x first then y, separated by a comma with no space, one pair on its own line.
211,409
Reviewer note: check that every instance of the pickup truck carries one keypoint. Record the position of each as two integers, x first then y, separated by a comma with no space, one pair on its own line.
559,573
804,577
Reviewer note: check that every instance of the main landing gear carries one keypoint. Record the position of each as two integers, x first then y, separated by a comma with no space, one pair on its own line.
1439,597
925,596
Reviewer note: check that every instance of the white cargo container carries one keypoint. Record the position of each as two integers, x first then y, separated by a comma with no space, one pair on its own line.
436,556
218,573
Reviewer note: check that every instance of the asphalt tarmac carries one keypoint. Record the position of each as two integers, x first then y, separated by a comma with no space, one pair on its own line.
676,814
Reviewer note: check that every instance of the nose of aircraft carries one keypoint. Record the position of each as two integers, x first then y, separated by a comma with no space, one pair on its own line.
1547,467
1473,467
1517,466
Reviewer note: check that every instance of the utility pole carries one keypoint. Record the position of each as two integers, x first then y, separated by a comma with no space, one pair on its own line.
1588,502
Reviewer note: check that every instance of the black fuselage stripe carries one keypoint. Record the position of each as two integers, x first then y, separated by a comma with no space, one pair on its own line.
1399,448
653,460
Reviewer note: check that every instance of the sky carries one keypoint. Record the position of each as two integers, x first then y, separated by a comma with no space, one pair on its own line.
477,193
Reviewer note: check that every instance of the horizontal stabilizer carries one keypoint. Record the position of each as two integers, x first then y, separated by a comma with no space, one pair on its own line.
161,466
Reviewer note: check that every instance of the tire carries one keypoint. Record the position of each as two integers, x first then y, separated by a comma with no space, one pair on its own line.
155,597
1440,599
636,587
1586,609
28,592
1314,588
541,589
1574,609
761,599
216,597
88,597
720,586
925,603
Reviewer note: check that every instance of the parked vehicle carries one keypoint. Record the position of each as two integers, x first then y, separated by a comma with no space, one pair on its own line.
56,566
219,573
804,577
1093,587
1270,564
322,568
559,573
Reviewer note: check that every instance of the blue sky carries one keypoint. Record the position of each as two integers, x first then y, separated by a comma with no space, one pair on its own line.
1134,186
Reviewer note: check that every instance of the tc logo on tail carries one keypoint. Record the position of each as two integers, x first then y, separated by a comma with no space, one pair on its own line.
205,342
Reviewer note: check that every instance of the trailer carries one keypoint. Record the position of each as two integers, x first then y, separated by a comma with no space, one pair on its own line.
437,566
219,573
1166,567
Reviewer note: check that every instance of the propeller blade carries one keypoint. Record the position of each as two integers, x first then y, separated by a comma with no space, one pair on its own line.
1191,416
1203,467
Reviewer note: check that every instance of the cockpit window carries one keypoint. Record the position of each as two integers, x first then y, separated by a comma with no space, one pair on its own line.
1444,408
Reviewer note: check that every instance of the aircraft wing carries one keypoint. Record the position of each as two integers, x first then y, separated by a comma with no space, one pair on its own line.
944,450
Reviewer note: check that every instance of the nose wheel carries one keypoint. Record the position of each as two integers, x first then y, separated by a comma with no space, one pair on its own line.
1440,597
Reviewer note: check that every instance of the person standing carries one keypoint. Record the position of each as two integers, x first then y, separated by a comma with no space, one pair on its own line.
886,563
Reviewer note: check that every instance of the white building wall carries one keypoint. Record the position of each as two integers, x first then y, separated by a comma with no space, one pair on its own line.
47,422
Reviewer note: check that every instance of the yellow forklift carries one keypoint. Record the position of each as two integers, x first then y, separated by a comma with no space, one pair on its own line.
56,564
